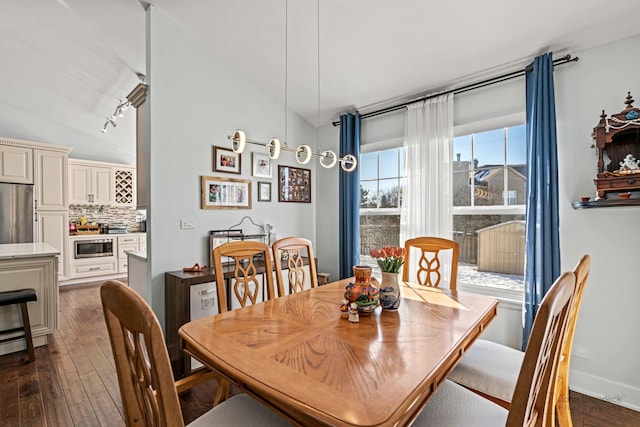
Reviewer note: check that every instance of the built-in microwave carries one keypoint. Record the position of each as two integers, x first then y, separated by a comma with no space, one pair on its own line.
93,248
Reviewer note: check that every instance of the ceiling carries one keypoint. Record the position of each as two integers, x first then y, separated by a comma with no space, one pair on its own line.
66,63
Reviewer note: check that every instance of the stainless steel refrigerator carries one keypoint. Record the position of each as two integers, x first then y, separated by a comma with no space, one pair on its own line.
16,213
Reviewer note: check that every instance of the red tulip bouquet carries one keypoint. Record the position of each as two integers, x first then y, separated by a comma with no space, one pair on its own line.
389,258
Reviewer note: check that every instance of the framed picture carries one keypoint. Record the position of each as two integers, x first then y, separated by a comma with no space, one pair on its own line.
294,184
225,193
226,160
261,165
264,191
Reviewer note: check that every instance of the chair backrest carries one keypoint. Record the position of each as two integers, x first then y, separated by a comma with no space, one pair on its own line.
296,249
148,392
246,274
561,399
429,267
532,403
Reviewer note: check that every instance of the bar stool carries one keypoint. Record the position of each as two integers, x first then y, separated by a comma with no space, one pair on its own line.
22,297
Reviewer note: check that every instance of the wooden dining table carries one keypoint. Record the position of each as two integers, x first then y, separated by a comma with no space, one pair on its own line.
298,356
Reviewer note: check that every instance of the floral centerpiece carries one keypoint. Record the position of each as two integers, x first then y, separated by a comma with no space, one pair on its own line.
389,258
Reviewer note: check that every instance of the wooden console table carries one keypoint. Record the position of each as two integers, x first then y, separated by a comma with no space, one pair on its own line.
177,295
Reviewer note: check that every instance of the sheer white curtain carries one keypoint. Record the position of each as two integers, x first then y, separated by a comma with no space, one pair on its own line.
427,199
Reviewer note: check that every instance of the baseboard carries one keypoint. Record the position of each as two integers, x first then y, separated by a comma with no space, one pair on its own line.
604,389
92,279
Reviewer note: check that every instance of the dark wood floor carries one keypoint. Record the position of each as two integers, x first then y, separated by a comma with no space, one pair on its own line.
73,380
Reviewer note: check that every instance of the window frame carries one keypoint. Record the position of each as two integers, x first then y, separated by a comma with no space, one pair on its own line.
509,297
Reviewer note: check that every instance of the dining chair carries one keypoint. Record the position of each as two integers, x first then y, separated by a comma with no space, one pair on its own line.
296,250
532,404
429,268
491,369
149,394
242,258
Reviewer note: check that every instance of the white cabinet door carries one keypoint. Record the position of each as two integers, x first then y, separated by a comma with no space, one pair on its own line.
53,228
90,184
79,184
51,180
16,164
103,186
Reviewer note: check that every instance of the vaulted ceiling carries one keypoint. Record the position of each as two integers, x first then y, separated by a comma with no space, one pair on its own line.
66,63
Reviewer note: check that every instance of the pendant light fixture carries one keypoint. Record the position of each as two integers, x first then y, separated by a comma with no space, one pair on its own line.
303,153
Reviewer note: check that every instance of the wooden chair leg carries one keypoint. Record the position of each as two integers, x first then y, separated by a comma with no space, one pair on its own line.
224,388
27,331
563,411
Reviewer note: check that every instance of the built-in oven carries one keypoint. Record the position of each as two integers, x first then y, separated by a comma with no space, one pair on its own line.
91,248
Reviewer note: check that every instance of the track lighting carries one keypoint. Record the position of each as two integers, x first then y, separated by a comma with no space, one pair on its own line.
119,112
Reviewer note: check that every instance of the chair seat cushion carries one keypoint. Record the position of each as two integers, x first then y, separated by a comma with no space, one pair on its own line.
454,406
240,410
489,368
18,296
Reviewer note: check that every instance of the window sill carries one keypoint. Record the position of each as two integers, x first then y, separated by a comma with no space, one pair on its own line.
506,296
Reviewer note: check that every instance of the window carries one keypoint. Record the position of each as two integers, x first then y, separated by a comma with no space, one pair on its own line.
489,183
381,178
381,175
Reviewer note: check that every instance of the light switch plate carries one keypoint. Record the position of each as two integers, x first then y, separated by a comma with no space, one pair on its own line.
187,224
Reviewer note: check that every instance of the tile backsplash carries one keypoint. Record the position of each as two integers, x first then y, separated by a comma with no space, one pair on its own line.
107,214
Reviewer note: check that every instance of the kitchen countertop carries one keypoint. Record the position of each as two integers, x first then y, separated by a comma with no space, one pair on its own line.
141,255
26,250
105,235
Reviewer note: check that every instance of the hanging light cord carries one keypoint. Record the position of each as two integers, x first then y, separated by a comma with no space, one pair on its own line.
286,68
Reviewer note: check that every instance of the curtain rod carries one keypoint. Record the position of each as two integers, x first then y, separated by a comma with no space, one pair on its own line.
466,88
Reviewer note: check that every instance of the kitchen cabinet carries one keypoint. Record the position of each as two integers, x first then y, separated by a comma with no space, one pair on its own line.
33,264
51,180
126,244
90,183
16,164
100,264
53,228
125,186
101,183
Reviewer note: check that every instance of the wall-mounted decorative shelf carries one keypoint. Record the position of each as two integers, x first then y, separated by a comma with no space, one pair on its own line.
604,203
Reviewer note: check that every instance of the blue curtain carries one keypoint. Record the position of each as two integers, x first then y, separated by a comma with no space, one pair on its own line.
542,265
349,183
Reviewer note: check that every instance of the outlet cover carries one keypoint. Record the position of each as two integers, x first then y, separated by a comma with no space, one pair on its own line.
580,352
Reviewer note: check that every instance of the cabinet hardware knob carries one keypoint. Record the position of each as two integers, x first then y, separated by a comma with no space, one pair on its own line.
631,181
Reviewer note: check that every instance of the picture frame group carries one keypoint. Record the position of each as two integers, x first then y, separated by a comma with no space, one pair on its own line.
225,193
294,184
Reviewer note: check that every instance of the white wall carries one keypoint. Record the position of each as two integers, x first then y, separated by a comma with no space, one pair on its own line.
196,99
608,324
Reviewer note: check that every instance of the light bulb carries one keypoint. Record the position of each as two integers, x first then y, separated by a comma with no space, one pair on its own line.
238,141
346,160
328,154
307,154
274,148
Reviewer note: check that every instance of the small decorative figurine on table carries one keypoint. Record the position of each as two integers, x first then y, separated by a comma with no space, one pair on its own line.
353,313
344,309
